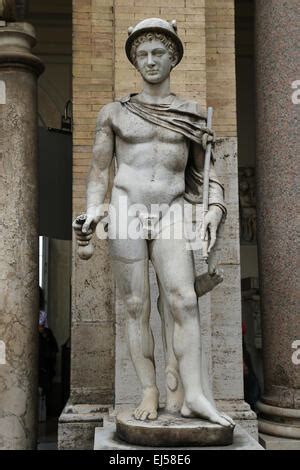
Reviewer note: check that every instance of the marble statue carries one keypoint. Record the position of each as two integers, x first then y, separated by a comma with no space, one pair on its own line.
158,141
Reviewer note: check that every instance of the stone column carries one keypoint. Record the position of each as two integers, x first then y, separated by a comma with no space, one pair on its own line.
19,236
277,39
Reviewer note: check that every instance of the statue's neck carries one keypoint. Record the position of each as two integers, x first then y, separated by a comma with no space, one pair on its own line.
156,92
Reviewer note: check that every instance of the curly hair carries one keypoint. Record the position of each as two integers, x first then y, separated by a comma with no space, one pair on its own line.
166,41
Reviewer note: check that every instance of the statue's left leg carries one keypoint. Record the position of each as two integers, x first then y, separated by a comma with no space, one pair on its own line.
173,381
174,265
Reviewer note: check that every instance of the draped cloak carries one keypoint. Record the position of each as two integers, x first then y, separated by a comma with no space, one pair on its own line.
186,118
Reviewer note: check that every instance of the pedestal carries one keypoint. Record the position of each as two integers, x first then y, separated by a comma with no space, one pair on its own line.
171,430
106,439
76,426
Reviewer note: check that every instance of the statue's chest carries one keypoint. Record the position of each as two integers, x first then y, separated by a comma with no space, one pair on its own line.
133,129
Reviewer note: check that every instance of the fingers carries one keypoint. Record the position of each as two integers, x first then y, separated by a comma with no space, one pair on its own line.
78,230
84,236
204,249
211,223
211,266
83,232
78,223
204,230
83,239
87,223
77,227
209,137
82,243
204,141
213,237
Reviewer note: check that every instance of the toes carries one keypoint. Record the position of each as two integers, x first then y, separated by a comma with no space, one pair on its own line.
139,414
153,415
144,415
230,420
224,422
136,413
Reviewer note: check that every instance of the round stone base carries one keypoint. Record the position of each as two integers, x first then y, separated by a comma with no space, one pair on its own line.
171,430
279,421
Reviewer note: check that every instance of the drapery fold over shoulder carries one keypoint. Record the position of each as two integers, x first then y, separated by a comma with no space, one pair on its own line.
188,119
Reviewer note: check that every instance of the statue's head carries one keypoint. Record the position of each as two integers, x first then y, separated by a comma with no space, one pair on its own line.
154,48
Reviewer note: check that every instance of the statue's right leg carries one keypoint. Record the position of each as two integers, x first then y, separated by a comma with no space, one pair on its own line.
130,266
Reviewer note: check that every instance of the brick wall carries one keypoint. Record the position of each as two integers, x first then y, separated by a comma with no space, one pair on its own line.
93,64
220,65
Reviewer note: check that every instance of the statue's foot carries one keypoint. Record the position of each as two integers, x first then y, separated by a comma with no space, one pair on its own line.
200,407
206,282
148,406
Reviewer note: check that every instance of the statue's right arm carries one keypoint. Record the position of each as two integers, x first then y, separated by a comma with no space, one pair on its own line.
98,178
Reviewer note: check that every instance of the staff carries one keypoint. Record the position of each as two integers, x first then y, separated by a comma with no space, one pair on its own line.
206,185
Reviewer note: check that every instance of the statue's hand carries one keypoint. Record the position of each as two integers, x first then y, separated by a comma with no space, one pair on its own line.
83,231
208,137
211,223
85,224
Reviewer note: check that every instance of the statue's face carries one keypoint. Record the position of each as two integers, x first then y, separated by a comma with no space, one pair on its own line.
153,61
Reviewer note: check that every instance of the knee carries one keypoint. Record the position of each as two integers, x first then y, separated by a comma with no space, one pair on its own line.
184,303
134,306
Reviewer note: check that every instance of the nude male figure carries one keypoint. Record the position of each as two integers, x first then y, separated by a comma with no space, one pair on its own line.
151,162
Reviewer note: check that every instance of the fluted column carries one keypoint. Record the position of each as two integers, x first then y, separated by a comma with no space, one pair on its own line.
277,38
19,236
